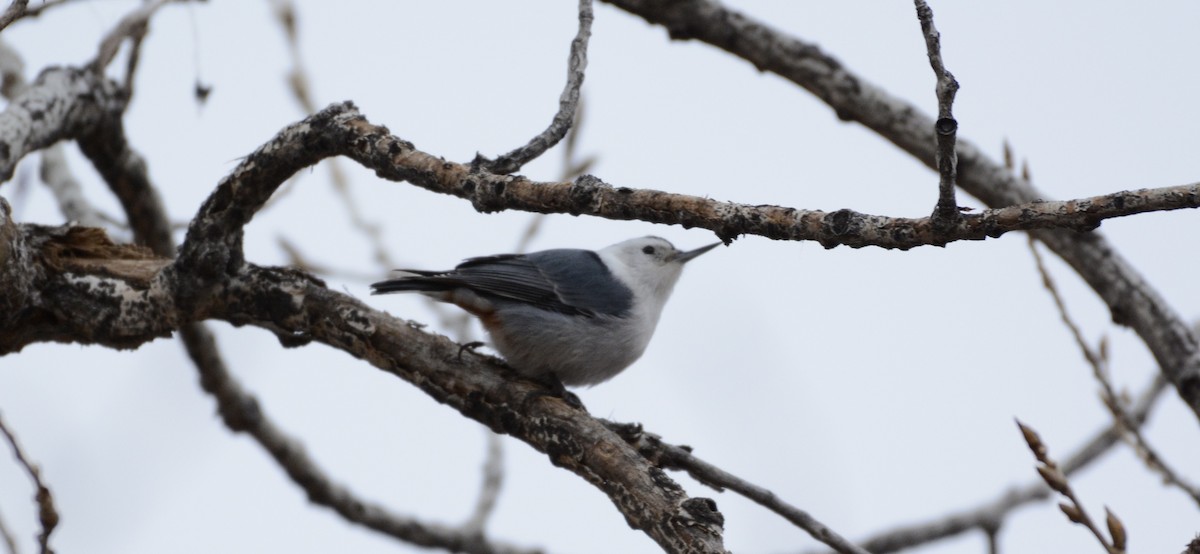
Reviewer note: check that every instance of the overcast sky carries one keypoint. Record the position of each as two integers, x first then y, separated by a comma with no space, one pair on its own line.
868,387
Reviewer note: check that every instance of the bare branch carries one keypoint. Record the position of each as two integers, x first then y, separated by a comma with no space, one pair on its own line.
680,458
299,309
132,300
396,159
298,81
53,170
567,103
132,27
241,413
14,12
124,169
67,191
1193,546
126,174
1098,361
47,515
946,127
61,103
19,9
1132,301
1074,510
990,515
10,542
489,489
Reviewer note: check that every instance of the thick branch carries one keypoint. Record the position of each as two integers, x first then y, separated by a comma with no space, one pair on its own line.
125,172
211,280
130,300
1132,301
128,308
13,12
61,103
241,412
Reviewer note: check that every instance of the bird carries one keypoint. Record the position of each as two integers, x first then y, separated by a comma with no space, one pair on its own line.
565,316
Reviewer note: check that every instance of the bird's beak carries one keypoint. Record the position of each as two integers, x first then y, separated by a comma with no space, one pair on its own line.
684,257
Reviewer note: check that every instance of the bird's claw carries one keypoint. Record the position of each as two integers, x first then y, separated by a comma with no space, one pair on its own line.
468,346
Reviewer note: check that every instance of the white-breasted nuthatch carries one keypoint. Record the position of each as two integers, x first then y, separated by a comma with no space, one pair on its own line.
581,316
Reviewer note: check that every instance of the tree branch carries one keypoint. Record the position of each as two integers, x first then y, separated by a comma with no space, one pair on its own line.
680,458
1098,360
47,514
19,9
127,175
10,543
125,302
990,515
61,103
1048,469
568,103
241,413
946,127
14,12
396,159
1132,301
210,279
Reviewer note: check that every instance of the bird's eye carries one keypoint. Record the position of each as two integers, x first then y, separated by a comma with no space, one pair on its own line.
648,250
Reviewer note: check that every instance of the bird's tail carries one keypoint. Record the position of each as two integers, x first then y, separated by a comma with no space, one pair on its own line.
411,281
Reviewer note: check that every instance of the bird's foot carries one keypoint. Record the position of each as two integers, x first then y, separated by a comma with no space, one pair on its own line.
468,346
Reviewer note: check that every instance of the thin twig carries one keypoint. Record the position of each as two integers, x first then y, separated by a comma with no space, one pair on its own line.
132,26
489,488
669,456
19,9
298,81
47,515
10,542
991,514
567,102
946,127
1054,477
15,11
1098,360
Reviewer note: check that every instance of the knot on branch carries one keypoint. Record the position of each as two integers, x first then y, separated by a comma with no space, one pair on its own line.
838,224
487,191
702,511
585,194
946,126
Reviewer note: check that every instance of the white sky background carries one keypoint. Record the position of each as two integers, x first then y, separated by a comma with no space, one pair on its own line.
871,388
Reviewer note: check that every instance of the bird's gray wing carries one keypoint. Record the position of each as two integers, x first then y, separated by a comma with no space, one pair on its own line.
563,280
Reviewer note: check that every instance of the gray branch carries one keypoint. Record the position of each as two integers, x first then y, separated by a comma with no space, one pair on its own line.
567,103
47,514
1130,299
989,515
681,458
242,413
130,296
946,127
